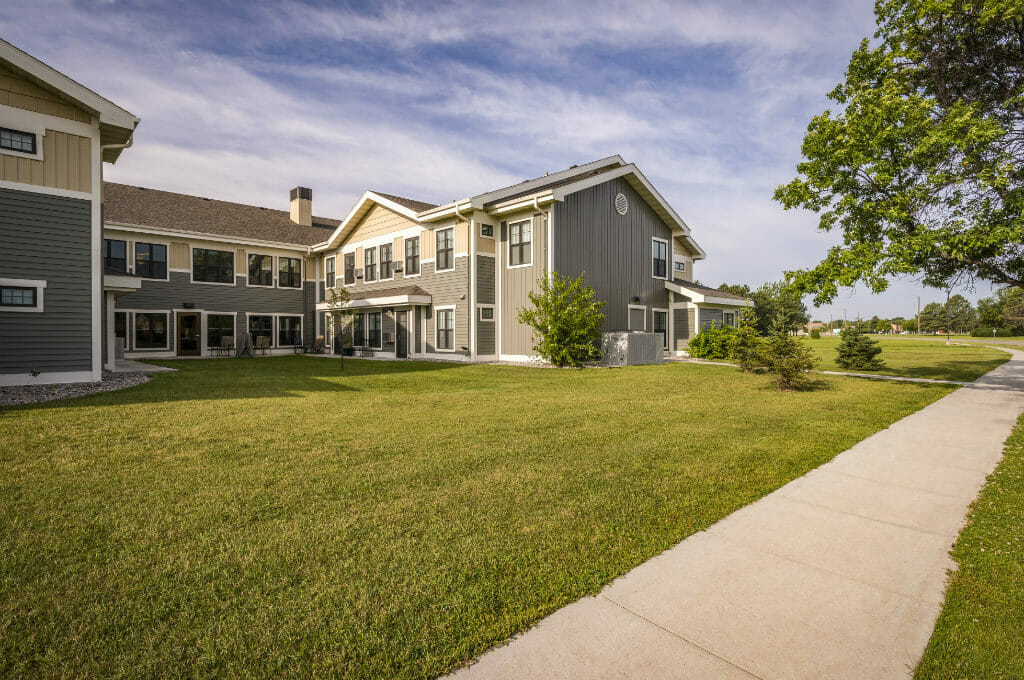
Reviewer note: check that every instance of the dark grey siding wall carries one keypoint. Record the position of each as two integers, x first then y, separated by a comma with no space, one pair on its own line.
173,294
309,300
710,316
614,251
680,328
485,337
48,238
485,280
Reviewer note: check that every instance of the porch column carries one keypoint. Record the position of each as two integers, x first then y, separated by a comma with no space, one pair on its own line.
109,332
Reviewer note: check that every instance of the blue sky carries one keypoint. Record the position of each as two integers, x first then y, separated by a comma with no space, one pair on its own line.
438,101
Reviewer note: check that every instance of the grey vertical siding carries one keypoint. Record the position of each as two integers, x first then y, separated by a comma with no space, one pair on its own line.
680,328
485,280
710,316
612,250
48,238
485,337
517,283
638,320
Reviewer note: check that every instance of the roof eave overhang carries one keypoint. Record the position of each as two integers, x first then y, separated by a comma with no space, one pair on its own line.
387,301
702,298
358,212
183,233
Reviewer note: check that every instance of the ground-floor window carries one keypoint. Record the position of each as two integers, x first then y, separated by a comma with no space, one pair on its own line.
261,326
446,329
121,325
661,327
150,330
358,330
729,319
289,330
219,326
373,325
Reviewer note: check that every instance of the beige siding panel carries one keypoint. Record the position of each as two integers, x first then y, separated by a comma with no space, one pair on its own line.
516,283
310,269
379,221
339,264
66,164
179,255
485,245
24,94
427,245
399,253
462,237
241,263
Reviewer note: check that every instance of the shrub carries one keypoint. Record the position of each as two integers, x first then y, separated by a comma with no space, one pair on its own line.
816,334
747,346
987,332
566,318
858,352
788,360
712,342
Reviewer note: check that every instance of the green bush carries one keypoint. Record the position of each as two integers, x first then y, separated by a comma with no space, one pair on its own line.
858,352
712,342
816,334
788,360
746,347
987,333
566,318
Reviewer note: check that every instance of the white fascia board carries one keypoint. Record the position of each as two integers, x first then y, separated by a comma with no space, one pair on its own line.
219,238
120,282
522,203
492,196
362,206
388,301
446,211
698,297
108,112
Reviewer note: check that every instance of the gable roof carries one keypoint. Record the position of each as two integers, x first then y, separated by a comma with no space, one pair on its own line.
410,203
138,206
699,293
406,207
116,124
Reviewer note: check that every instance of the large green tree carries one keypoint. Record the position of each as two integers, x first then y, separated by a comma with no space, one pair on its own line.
777,309
921,165
962,316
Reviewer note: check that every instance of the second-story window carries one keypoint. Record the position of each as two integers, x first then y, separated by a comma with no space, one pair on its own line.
445,249
115,255
213,266
16,140
350,268
385,261
289,272
520,243
412,256
370,264
329,271
659,258
261,270
151,260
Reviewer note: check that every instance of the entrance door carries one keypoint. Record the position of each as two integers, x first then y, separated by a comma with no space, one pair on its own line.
188,334
401,335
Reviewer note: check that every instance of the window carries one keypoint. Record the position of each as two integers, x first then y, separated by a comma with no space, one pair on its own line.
261,270
412,256
115,256
728,319
487,313
289,272
213,266
370,264
289,330
359,330
261,325
18,296
385,261
16,140
487,230
150,330
373,320
219,326
446,329
329,269
661,327
350,268
680,266
520,243
445,249
659,258
151,260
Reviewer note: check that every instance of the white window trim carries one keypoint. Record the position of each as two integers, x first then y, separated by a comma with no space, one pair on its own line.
676,259
234,267
38,284
509,247
668,259
277,328
455,323
629,317
273,270
380,261
273,326
483,235
335,259
420,271
376,266
302,271
480,308
156,242
655,310
436,242
204,328
169,346
36,129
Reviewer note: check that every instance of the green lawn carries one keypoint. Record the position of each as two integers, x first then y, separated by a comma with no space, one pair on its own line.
272,518
979,632
919,358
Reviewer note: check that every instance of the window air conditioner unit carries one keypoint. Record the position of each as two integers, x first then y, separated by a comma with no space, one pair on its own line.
359,273
396,266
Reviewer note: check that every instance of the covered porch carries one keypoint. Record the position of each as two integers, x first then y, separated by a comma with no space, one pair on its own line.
388,323
693,307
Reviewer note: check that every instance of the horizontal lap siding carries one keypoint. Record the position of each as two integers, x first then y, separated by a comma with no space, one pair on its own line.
485,338
485,280
47,237
612,251
680,328
710,316
517,283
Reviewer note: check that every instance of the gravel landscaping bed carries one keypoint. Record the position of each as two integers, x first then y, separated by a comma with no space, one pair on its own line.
30,394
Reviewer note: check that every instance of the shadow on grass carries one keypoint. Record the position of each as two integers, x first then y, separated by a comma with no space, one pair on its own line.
249,378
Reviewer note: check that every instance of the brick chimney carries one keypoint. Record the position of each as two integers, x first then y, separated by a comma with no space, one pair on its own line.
302,206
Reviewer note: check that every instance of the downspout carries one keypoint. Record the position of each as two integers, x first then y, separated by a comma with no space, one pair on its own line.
549,255
459,217
126,145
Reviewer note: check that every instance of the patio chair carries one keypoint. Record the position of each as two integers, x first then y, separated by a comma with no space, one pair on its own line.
317,346
227,345
263,344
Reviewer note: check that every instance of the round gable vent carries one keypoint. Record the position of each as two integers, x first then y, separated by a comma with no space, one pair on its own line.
621,204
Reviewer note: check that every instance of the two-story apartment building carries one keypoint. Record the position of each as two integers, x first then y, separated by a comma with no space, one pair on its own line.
55,135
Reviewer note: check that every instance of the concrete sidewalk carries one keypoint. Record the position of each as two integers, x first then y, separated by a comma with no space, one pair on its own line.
838,574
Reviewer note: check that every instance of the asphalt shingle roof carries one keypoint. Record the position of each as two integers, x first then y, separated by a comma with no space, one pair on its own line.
410,203
707,290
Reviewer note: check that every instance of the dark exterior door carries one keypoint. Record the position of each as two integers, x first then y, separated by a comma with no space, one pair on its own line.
401,335
188,334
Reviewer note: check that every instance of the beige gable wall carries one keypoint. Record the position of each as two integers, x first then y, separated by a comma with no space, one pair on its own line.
379,221
66,164
24,94
679,249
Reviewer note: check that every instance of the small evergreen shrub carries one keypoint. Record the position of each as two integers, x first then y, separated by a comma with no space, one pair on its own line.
987,333
566,318
747,346
816,334
713,342
787,359
858,352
